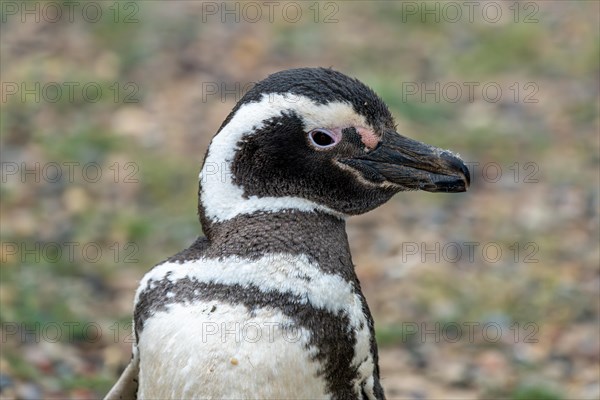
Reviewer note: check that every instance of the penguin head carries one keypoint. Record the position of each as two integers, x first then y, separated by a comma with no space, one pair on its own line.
314,139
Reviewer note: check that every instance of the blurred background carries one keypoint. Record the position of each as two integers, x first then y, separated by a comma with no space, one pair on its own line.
106,112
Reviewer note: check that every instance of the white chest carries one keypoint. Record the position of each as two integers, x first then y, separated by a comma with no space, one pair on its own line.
203,344
191,352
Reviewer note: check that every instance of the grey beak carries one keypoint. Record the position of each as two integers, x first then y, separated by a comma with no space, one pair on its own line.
412,165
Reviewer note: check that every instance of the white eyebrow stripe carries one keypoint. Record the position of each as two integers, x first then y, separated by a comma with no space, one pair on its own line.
221,198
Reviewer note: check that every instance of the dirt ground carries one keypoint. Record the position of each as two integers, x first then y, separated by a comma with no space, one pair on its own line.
106,112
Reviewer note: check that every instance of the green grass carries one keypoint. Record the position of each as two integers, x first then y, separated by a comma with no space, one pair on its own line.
537,392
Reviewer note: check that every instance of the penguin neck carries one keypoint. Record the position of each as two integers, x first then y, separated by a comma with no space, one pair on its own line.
319,236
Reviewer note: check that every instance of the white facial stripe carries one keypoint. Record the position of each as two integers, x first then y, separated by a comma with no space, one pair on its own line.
365,182
222,199
329,115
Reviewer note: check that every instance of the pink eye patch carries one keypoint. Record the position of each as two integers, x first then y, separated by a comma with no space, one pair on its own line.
368,137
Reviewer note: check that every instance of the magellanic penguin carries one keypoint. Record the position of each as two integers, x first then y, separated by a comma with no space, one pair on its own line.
268,305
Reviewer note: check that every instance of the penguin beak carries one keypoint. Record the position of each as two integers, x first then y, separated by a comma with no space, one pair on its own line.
411,164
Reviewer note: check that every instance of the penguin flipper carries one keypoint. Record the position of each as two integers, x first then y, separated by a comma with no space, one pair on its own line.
127,385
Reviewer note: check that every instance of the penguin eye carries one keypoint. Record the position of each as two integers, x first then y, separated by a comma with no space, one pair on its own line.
323,139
